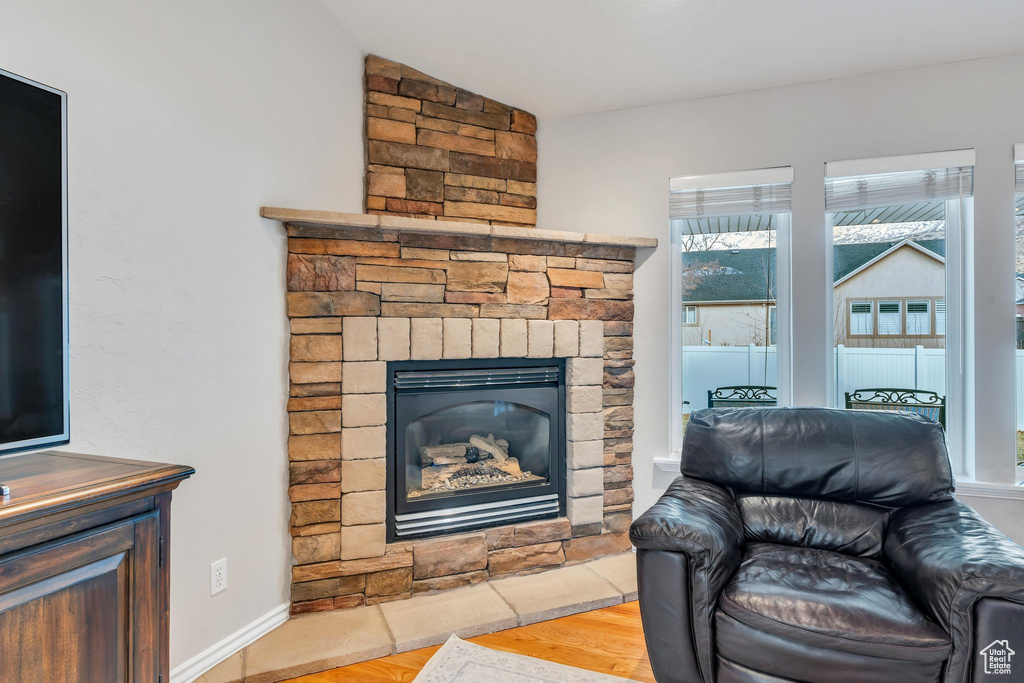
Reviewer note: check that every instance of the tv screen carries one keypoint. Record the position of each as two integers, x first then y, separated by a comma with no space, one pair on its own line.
33,265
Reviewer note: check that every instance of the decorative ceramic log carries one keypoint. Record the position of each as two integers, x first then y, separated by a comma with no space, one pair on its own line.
438,476
451,453
489,445
444,454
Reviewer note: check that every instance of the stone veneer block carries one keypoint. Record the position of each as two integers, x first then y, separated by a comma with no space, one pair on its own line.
449,555
580,454
359,338
427,339
363,475
393,338
363,410
458,338
514,340
579,483
556,593
426,620
365,377
589,510
585,371
363,443
591,338
363,541
567,338
486,336
541,338
584,426
363,507
316,548
619,571
317,642
314,447
585,399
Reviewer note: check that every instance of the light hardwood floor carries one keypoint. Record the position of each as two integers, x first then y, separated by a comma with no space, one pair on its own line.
609,640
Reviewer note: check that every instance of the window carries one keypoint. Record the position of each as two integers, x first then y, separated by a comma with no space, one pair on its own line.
1019,311
919,317
898,227
889,320
730,261
861,318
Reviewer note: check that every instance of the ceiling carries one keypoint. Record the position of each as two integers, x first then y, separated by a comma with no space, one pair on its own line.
565,57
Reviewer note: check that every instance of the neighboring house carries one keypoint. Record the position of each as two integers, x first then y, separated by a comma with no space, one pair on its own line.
1019,296
886,294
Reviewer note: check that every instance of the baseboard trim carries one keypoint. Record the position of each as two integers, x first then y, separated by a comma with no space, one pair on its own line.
207,659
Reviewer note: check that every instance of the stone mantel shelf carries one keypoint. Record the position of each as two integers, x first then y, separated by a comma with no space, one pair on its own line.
343,221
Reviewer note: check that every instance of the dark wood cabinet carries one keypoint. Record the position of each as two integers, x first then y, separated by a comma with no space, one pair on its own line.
84,549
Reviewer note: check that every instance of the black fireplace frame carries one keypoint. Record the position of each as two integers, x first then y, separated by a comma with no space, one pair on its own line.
557,478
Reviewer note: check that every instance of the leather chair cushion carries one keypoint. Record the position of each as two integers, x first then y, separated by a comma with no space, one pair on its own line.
847,528
823,600
878,457
762,656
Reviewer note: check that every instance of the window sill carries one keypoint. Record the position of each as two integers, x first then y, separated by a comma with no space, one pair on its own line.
668,464
979,489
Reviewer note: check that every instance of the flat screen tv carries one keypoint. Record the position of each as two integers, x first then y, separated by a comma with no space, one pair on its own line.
34,401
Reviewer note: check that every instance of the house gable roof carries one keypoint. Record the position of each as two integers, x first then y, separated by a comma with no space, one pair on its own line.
743,274
896,247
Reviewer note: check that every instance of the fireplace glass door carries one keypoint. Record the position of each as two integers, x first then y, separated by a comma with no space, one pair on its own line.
475,443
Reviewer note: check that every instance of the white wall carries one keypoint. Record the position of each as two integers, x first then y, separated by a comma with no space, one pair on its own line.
609,172
185,117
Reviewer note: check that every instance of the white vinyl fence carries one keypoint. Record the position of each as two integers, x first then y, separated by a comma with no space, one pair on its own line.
709,367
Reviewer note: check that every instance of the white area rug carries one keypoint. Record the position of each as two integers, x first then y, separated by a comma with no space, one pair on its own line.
461,662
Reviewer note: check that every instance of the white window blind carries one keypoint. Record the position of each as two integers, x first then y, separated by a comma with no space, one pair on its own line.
889,321
940,316
854,193
689,315
860,317
745,193
919,318
730,201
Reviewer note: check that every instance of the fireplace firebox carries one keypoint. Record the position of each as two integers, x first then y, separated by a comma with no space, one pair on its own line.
474,443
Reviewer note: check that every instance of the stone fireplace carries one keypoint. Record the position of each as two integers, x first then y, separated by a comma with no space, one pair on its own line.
473,444
461,383
383,306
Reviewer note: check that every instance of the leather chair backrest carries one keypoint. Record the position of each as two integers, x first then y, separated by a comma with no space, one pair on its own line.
848,528
892,459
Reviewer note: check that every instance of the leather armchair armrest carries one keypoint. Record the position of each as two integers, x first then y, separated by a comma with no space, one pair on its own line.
689,544
948,558
697,518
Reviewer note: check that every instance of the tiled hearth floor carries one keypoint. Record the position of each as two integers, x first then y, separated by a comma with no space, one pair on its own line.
326,640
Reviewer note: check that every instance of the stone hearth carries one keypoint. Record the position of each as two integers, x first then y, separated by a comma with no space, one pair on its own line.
364,290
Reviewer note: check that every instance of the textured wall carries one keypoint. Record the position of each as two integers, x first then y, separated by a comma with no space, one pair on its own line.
178,340
437,151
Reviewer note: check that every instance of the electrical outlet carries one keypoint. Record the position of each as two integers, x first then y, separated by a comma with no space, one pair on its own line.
218,576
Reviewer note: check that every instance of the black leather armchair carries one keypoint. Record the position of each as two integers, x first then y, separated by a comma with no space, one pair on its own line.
817,545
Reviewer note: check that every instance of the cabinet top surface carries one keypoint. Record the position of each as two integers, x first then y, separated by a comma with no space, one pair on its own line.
41,482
